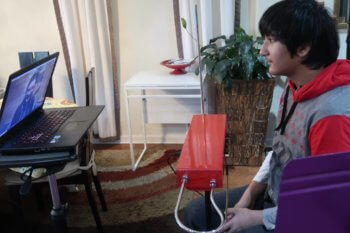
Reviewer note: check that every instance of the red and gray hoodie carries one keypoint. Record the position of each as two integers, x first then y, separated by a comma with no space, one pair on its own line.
313,120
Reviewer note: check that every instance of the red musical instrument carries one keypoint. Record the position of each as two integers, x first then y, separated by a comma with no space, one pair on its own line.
200,166
202,154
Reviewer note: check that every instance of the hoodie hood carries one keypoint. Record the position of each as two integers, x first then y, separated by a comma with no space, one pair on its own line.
335,75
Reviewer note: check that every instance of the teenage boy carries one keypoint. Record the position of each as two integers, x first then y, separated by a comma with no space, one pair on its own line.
300,42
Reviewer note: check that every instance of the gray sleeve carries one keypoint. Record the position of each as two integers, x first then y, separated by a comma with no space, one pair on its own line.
269,218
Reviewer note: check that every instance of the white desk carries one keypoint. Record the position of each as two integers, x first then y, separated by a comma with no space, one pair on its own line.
187,84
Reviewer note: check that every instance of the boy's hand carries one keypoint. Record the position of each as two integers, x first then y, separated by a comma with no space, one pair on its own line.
241,218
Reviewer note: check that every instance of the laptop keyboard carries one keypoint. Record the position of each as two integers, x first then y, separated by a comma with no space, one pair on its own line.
44,128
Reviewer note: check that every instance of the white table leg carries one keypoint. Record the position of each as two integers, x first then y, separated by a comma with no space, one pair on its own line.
144,132
132,155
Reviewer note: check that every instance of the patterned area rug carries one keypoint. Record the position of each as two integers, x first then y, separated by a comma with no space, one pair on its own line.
138,202
146,196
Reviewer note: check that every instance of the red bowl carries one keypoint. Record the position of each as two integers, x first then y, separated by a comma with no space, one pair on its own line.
177,64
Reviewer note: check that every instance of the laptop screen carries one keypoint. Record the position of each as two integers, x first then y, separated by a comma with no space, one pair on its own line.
25,93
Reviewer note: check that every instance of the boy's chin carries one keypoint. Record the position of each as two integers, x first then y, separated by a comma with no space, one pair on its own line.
274,72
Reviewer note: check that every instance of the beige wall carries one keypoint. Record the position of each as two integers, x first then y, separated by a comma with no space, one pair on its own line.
30,26
146,36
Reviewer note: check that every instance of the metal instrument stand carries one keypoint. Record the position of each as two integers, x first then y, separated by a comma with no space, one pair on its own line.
58,215
207,209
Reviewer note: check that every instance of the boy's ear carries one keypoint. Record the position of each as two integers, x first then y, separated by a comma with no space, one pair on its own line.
302,51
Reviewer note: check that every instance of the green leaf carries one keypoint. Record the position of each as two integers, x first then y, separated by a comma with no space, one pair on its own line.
235,62
259,40
183,23
245,47
249,66
222,66
231,52
218,78
210,67
209,64
196,71
205,53
262,60
223,37
237,58
209,46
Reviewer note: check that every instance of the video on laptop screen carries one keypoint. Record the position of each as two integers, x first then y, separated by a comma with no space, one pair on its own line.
25,94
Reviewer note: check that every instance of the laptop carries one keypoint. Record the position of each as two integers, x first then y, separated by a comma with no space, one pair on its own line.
314,195
29,130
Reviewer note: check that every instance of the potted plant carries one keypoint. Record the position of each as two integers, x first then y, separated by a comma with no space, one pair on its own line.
243,92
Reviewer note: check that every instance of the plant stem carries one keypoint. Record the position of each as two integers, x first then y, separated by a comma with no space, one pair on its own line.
191,35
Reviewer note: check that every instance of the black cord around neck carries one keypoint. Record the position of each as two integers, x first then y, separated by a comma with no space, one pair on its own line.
284,120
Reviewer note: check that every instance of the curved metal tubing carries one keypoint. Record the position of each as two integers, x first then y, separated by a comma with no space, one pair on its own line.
178,221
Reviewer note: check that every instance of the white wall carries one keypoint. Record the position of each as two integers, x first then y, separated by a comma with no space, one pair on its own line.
248,10
147,37
30,26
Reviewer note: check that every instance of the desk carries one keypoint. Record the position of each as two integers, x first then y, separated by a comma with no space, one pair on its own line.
57,161
187,84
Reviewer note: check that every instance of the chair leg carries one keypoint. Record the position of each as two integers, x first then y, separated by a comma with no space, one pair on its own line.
13,191
99,192
39,198
88,189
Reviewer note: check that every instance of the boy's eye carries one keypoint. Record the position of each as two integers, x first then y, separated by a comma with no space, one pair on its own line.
270,39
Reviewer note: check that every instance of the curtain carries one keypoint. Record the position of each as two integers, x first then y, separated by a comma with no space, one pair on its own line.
87,36
189,37
215,18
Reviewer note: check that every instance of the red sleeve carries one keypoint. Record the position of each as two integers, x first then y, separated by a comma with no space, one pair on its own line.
330,135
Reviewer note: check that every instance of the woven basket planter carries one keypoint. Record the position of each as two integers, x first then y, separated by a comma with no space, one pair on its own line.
247,106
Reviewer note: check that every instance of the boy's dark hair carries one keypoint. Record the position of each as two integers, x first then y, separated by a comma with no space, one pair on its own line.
298,23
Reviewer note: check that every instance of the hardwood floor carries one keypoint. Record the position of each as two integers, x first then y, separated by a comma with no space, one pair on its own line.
240,175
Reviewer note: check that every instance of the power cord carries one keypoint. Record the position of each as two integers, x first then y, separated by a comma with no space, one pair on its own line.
28,179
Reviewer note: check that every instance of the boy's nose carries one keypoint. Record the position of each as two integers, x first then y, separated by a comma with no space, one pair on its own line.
263,50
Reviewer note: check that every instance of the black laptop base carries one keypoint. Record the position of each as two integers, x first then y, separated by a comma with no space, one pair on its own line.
37,160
